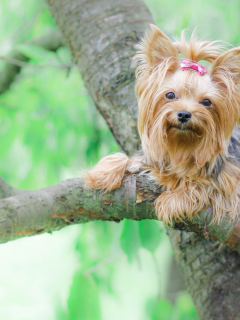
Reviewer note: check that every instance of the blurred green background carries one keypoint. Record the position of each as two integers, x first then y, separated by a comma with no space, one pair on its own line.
49,130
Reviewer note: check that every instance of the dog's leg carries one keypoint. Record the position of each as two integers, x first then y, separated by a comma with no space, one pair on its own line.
108,173
175,204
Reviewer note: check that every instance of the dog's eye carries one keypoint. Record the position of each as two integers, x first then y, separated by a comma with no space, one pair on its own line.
170,96
206,102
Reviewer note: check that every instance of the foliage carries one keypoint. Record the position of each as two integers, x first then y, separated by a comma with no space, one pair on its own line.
50,130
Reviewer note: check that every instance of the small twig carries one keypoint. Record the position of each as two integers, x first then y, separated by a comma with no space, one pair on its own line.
25,28
26,64
15,60
102,263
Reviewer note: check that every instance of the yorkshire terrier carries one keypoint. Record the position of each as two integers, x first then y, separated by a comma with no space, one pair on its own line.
188,118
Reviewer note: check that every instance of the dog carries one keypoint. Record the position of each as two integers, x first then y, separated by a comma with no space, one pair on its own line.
188,123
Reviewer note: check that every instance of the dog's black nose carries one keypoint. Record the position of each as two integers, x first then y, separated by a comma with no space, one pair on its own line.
184,116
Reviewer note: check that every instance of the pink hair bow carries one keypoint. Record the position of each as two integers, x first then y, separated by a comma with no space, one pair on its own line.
188,64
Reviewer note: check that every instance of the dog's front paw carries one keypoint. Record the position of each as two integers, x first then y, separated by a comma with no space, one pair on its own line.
108,173
177,205
165,207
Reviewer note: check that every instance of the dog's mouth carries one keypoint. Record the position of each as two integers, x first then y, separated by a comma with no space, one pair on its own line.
182,127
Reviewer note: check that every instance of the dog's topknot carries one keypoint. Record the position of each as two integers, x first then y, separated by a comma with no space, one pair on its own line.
196,49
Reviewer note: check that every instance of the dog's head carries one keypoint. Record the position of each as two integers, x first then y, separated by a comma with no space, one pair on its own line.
186,115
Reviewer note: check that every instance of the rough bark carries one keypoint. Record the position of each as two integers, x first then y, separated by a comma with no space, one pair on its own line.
66,203
50,41
211,273
7,191
27,213
101,36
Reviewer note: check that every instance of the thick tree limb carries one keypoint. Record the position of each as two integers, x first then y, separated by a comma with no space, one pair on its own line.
68,202
50,41
7,191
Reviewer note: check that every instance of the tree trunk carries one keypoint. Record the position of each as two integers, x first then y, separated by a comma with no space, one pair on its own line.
211,273
102,37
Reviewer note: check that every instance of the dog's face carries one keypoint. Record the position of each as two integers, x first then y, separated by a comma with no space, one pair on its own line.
184,117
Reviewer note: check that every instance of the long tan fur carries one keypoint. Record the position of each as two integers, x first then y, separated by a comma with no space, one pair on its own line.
198,163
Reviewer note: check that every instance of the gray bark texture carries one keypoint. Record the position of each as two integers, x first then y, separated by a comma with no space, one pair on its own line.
102,36
7,191
27,213
211,273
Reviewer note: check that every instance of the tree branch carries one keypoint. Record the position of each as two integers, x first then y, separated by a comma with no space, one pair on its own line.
68,202
7,191
50,41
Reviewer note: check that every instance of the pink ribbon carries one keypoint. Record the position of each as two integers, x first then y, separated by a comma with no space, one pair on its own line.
188,64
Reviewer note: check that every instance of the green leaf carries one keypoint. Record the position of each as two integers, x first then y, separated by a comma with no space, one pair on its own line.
63,54
83,302
150,234
185,307
60,312
129,241
163,310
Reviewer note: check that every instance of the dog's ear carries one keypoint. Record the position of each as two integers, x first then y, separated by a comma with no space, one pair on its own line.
226,68
156,47
225,72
